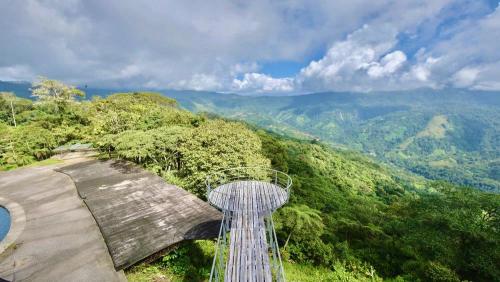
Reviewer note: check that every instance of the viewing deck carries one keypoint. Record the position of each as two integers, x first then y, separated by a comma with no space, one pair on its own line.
253,196
247,205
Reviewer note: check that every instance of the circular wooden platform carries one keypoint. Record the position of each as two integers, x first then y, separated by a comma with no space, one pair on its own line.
248,195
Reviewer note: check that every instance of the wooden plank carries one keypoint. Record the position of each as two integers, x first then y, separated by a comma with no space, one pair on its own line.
267,198
257,251
238,243
259,228
251,246
137,212
255,261
245,249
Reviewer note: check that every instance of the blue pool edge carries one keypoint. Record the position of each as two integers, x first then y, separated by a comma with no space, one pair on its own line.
5,222
17,223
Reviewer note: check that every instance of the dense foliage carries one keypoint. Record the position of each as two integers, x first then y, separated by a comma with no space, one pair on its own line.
436,233
449,134
441,134
349,219
146,128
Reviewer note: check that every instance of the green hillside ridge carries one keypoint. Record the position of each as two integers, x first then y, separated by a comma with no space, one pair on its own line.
398,128
441,134
436,128
349,218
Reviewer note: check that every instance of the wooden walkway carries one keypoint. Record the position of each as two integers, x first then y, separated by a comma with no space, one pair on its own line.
248,203
249,195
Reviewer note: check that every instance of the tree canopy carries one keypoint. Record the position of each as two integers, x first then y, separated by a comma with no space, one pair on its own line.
48,90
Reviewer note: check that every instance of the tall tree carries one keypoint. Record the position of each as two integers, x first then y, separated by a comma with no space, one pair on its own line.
217,145
9,97
60,94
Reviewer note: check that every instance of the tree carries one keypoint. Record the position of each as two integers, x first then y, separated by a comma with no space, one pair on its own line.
60,94
136,111
300,220
217,145
454,228
25,144
167,141
9,97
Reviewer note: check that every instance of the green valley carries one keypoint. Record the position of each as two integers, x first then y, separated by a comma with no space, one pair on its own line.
440,134
349,217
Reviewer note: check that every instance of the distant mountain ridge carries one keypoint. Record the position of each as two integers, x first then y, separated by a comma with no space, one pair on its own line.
450,134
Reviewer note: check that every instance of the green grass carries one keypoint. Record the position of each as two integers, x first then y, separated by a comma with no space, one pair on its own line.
436,128
35,164
45,162
308,273
146,273
192,261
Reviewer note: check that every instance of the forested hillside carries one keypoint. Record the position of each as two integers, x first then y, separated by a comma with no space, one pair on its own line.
448,135
441,134
349,219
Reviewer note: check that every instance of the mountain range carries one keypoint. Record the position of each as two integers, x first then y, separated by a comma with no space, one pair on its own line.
449,134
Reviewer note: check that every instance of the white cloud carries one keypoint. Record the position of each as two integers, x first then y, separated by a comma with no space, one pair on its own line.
241,68
129,71
389,64
257,82
422,70
368,59
488,78
199,82
220,45
465,77
366,56
468,57
357,52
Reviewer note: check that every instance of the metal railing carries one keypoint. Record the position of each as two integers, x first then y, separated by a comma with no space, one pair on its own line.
232,175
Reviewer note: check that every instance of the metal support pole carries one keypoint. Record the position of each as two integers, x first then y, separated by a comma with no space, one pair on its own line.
280,277
216,252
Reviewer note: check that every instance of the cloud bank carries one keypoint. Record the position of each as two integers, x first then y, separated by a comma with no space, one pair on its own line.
226,45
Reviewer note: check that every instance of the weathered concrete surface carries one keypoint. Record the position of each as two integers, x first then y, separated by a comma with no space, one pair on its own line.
138,213
60,241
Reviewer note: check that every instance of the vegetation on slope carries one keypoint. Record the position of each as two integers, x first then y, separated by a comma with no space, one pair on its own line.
349,219
440,134
449,134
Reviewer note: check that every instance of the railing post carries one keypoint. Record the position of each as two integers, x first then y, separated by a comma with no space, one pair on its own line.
281,271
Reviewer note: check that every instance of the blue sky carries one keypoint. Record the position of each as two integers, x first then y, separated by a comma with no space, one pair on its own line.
282,69
259,46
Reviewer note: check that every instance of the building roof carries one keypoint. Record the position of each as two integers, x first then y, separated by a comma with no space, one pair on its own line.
138,213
